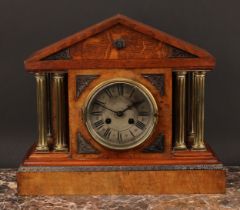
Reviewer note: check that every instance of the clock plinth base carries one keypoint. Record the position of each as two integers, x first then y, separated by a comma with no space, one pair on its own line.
60,174
75,181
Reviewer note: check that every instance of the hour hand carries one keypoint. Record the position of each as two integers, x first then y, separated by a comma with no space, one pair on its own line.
136,103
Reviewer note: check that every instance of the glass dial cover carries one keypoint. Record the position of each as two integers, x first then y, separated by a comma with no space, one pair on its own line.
120,114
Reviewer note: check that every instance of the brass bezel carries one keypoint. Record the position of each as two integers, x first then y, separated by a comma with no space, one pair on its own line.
105,84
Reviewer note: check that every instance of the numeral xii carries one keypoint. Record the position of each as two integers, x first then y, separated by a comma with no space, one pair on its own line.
120,89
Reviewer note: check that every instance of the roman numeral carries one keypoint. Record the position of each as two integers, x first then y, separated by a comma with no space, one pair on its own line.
100,103
119,137
143,113
108,92
99,124
96,113
140,125
107,133
131,133
132,92
120,89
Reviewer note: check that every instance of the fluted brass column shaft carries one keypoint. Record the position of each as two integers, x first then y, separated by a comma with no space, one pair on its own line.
191,106
60,127
42,144
49,108
180,110
198,143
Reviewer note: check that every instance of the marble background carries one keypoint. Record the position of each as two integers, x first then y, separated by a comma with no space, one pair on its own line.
9,200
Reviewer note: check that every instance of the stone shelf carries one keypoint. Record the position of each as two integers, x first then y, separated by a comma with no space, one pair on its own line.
10,200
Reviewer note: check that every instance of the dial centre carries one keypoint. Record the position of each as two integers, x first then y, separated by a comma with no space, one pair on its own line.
120,113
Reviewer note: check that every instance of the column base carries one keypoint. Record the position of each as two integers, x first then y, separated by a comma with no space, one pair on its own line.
180,147
60,149
42,149
199,147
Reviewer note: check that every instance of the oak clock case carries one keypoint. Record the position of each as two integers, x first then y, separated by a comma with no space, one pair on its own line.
120,114
120,111
119,118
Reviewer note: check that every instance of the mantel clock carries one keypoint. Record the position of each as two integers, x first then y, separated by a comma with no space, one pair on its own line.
120,111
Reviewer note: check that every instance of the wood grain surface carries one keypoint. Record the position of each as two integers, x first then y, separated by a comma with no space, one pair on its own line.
146,47
121,182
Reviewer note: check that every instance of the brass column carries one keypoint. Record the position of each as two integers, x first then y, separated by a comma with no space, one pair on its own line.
49,108
180,110
191,107
199,87
42,144
59,107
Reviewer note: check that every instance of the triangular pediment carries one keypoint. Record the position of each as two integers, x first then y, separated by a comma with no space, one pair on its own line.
138,40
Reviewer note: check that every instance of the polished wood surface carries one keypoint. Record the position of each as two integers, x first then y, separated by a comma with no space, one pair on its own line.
67,159
137,46
127,22
121,182
146,47
188,64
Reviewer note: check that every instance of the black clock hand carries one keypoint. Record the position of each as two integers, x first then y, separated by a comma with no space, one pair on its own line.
136,103
107,108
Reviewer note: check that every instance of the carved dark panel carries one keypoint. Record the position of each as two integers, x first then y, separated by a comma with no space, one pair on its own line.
119,168
61,55
82,82
157,80
85,147
156,146
178,53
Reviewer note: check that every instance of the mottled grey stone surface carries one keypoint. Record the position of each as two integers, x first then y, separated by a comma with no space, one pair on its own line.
10,200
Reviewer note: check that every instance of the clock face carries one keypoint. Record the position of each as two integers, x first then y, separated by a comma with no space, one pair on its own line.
121,114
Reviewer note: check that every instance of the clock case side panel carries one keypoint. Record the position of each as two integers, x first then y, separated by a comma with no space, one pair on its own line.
76,117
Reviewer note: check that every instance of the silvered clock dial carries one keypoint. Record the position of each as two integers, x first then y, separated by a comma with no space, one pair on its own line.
120,114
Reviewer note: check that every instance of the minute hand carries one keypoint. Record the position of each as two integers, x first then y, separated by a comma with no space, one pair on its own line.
107,108
136,103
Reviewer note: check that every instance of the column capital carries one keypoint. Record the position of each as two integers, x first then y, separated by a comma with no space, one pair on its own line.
40,74
200,73
59,75
181,73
